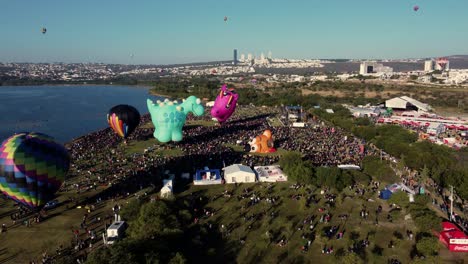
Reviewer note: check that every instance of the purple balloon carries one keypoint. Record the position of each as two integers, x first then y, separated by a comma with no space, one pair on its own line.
225,104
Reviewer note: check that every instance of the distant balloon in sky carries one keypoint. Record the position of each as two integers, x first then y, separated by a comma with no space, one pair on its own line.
225,18
43,30
416,8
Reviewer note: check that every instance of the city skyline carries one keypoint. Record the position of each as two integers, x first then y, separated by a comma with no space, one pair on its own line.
155,32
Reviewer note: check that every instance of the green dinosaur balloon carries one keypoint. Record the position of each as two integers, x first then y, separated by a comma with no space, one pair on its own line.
169,117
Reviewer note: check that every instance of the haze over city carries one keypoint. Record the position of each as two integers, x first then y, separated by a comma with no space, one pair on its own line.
166,32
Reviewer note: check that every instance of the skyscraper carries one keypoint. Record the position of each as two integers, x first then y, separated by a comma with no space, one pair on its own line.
428,65
269,55
235,56
242,58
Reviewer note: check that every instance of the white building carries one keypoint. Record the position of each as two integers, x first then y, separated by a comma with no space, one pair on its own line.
372,67
271,173
407,103
114,232
242,57
237,173
429,65
442,64
364,111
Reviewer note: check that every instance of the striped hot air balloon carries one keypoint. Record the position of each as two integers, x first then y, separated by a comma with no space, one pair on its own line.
123,119
32,168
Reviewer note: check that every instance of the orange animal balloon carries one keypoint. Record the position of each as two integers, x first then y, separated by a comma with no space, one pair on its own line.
262,143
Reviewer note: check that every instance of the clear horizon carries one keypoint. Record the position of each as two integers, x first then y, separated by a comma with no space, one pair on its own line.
159,33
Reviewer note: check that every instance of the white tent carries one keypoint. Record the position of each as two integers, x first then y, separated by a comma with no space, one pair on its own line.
238,173
271,173
166,190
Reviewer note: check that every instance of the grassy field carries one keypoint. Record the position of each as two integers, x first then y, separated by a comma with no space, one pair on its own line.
290,215
259,248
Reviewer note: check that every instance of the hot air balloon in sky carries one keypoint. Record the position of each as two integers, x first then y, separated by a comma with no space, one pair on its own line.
123,119
32,168
416,8
43,30
225,18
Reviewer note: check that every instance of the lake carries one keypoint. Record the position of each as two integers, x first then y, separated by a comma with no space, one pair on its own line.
64,112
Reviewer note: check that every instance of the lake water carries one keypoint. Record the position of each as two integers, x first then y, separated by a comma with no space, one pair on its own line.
63,112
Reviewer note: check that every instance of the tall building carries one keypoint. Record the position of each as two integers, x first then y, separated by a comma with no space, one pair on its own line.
269,55
429,65
370,67
235,56
442,64
242,58
262,57
249,57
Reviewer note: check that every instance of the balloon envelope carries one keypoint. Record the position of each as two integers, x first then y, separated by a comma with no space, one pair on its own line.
416,8
169,117
32,168
123,119
225,104
43,30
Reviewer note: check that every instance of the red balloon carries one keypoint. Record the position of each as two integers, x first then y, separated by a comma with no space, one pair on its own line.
416,8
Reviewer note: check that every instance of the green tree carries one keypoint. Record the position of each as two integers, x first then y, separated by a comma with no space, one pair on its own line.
178,259
131,210
428,246
154,220
426,220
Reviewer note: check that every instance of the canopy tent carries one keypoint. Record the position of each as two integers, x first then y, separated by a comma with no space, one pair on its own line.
385,194
237,173
453,238
207,177
350,166
166,190
271,173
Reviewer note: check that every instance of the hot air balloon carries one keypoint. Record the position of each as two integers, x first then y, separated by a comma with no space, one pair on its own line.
225,104
262,143
123,119
43,30
416,8
225,18
32,168
169,117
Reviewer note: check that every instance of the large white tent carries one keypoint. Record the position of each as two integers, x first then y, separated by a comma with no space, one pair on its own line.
406,103
237,173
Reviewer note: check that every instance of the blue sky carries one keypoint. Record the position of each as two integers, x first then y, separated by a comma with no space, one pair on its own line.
176,31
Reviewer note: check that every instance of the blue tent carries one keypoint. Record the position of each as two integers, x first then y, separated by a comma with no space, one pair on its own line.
385,194
203,177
